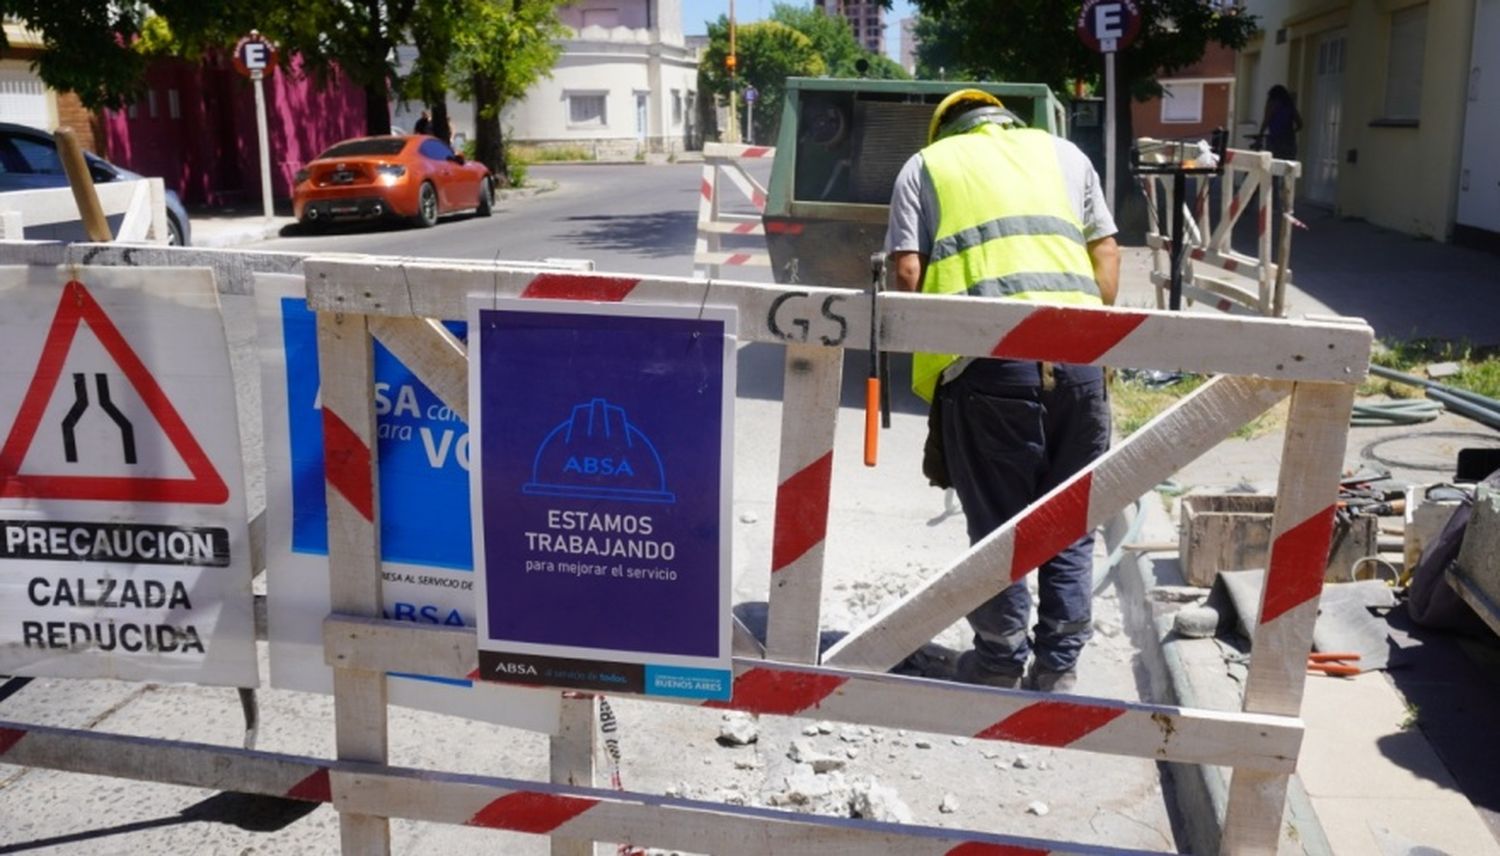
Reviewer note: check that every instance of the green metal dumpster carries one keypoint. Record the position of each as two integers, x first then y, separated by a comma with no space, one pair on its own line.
842,142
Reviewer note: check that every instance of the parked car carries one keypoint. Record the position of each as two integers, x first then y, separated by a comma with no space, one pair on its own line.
29,161
412,176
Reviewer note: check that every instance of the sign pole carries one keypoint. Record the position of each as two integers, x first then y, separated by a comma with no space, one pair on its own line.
1109,128
263,137
750,121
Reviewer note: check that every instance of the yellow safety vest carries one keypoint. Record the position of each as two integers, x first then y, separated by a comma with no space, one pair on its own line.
1006,228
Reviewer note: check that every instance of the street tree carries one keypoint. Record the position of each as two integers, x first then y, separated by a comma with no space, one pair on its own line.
1034,41
767,53
833,38
506,46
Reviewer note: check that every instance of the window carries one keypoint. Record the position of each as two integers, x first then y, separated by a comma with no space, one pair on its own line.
435,150
29,156
174,104
676,107
1182,102
151,103
1403,70
587,108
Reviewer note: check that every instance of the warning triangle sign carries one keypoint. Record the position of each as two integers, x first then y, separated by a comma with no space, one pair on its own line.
204,485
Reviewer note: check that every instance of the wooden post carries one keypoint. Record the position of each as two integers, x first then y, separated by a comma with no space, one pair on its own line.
809,415
82,183
571,753
1311,460
347,367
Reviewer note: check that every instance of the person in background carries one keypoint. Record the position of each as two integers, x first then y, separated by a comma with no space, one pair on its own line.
1280,124
424,124
991,208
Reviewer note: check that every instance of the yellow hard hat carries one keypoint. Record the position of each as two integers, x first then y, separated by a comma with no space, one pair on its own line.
957,97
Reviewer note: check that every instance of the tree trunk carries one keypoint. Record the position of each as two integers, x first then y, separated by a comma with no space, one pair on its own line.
442,128
488,147
377,109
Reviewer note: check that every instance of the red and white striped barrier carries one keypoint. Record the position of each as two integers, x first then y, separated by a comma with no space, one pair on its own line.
1214,272
721,162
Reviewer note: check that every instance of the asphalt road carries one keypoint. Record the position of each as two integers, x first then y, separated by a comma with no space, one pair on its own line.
629,218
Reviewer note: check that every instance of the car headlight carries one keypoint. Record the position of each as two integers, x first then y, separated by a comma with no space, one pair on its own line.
390,173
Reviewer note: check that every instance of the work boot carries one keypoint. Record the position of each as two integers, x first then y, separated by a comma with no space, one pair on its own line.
971,671
1047,681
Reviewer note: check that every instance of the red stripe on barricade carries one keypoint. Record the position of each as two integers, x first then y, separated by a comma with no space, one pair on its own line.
1066,335
782,693
756,152
1234,207
346,464
1297,560
528,811
758,199
1044,532
572,286
9,737
979,848
1229,264
737,259
783,227
1197,254
314,788
1050,723
744,228
1224,305
706,190
801,512
1264,219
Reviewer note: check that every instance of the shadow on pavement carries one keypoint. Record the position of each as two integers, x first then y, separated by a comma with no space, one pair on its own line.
250,812
657,236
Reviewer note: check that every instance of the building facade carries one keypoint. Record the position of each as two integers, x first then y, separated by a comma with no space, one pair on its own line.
1400,120
909,44
26,100
867,20
625,85
1195,101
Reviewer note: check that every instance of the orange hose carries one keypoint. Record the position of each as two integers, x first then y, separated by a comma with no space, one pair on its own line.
872,419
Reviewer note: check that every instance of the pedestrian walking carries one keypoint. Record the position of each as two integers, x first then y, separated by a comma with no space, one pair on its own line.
991,208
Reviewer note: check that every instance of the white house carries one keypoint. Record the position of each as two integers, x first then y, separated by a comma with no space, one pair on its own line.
624,86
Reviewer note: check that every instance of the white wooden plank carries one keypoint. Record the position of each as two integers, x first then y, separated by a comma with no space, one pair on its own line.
571,757
1194,425
234,270
1268,348
137,222
433,353
1159,732
346,363
809,417
57,205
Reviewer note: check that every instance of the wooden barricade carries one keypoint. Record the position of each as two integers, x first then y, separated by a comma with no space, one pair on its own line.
1213,271
143,202
722,162
1262,361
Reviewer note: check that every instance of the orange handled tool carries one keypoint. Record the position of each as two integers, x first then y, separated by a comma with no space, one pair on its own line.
872,383
1339,664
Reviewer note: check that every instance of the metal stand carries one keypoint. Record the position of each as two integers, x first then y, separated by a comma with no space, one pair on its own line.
1176,158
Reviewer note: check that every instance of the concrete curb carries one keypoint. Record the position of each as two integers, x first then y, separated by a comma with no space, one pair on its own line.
1201,792
240,231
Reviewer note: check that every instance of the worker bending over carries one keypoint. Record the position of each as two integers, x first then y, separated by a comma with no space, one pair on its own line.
991,208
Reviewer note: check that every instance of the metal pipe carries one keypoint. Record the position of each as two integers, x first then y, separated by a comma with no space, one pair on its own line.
1468,409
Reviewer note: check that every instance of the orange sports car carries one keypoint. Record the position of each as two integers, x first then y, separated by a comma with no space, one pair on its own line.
414,176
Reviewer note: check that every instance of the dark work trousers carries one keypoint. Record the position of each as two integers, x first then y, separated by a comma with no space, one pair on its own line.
1008,441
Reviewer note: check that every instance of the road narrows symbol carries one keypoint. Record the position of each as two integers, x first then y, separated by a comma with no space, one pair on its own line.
204,486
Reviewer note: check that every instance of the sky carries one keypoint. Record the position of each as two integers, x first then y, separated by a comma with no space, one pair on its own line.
696,12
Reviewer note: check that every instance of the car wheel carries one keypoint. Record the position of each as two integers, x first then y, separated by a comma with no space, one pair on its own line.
174,232
427,205
486,199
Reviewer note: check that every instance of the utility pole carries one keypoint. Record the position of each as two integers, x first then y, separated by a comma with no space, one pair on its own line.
731,61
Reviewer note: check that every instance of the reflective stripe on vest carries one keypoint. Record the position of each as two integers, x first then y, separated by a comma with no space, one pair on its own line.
1006,228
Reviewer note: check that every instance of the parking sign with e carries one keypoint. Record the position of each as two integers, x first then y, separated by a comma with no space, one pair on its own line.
1108,25
254,55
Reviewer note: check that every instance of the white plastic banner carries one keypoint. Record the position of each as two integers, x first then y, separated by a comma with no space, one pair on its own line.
124,547
426,545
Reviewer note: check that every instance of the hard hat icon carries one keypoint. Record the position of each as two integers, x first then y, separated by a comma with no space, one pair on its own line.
598,454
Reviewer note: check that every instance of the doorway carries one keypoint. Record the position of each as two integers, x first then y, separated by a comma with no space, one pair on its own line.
1324,119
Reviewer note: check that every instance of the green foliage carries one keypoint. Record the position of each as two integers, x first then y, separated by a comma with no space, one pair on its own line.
769,52
1479,366
1034,41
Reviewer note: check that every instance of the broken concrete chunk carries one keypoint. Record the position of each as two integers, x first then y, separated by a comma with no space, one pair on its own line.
1022,762
810,730
1038,808
1196,622
923,744
874,801
949,804
825,728
738,729
960,741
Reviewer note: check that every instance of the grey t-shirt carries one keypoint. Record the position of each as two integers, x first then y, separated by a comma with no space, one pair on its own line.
914,203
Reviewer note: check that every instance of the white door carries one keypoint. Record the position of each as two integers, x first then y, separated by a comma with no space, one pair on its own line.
640,115
1479,174
23,99
1323,118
